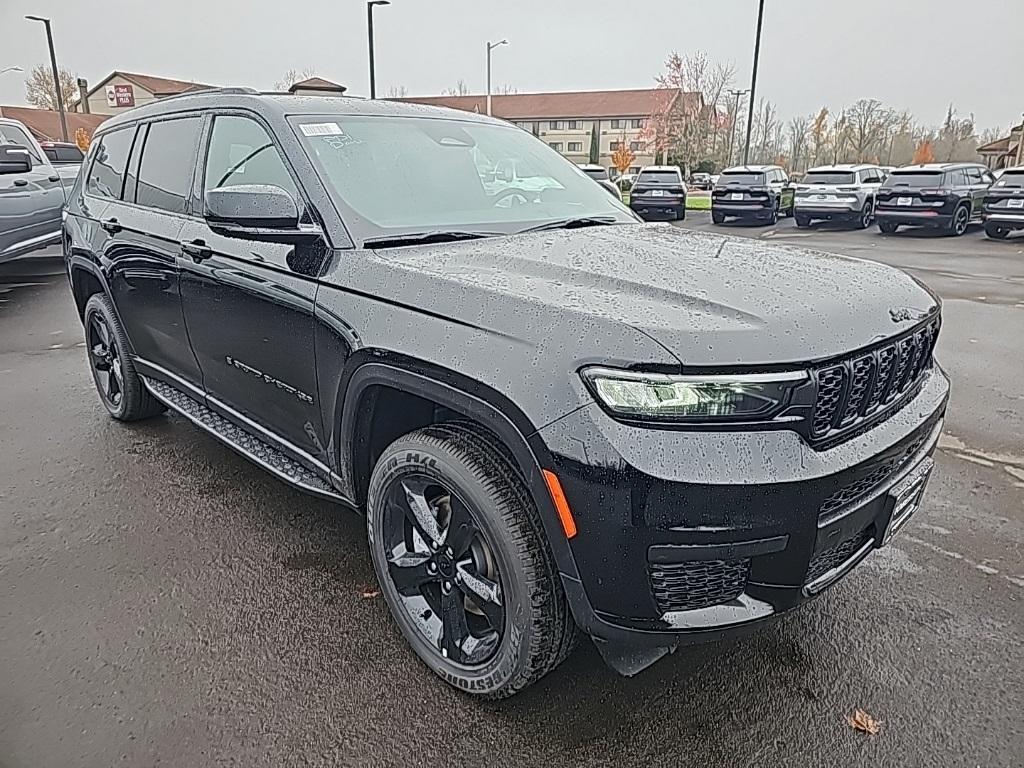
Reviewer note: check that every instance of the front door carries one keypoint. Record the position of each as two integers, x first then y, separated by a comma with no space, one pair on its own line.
30,202
249,305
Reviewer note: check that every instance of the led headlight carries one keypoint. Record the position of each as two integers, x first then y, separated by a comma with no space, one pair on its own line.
694,398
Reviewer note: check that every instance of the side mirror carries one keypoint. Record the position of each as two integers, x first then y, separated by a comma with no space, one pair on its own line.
256,212
14,158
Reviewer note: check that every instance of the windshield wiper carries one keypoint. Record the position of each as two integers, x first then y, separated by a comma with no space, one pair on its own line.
424,238
574,223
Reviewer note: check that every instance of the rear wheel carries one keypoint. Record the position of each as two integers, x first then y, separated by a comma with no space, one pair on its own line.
996,232
774,217
460,553
961,218
866,215
717,218
887,227
802,221
118,384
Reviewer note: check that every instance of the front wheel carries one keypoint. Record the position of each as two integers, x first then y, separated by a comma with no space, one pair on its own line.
996,232
461,557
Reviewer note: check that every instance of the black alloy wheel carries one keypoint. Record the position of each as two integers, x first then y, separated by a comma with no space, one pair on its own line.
961,218
996,232
105,360
443,569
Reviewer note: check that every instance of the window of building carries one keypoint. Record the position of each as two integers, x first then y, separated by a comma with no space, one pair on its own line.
106,175
526,126
575,146
555,125
573,125
634,169
614,145
165,170
555,145
241,152
636,123
616,124
635,146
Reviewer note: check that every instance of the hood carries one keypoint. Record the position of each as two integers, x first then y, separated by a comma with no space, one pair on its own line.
709,299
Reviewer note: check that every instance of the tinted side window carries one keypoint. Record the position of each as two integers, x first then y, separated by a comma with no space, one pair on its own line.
165,170
241,152
974,176
106,175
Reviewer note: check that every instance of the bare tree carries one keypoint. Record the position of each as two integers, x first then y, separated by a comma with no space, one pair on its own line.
39,90
460,89
505,89
292,76
868,123
799,129
957,138
397,92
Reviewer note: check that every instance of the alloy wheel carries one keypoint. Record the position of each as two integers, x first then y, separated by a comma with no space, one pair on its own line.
865,216
443,569
960,221
105,360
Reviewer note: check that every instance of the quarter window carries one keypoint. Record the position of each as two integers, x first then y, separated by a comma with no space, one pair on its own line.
241,152
106,174
165,170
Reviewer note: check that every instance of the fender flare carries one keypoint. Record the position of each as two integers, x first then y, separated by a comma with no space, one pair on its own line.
473,407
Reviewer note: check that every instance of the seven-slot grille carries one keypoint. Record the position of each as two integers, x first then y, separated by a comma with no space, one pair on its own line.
866,384
698,584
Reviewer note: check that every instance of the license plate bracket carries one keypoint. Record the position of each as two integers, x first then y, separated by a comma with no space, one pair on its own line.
904,201
905,498
1015,202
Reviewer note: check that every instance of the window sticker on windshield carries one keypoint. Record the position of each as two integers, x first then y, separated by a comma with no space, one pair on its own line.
321,129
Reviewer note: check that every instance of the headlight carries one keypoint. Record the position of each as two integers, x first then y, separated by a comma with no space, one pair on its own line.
690,398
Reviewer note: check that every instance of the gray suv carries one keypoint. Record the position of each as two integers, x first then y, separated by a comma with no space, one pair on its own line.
838,193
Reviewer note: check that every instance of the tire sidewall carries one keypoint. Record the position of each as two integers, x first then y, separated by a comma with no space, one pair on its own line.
97,305
407,457
961,214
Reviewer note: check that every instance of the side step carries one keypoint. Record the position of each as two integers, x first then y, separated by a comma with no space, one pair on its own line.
244,442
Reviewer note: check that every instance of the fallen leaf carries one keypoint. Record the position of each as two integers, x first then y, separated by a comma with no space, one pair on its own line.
863,722
368,593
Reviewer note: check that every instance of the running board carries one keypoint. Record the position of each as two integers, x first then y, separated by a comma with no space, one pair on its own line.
245,443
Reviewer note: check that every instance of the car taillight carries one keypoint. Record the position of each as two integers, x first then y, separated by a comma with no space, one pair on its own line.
936,191
846,189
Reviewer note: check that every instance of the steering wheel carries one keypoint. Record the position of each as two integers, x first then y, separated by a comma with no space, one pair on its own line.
514,196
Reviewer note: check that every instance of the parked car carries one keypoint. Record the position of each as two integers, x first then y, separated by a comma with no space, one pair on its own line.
556,420
947,196
752,192
701,181
625,181
659,192
62,153
600,174
31,194
837,193
1003,208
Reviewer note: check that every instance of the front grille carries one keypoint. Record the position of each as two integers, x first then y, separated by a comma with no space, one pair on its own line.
876,476
698,584
836,555
863,385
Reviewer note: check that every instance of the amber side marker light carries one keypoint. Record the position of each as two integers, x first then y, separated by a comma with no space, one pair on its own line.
561,505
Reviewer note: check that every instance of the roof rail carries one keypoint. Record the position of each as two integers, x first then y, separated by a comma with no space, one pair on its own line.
228,90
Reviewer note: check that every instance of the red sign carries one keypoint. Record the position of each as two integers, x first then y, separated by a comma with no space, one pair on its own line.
120,96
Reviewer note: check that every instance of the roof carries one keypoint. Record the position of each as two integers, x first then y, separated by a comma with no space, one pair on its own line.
158,86
660,168
317,84
842,167
935,167
640,102
999,147
751,168
44,124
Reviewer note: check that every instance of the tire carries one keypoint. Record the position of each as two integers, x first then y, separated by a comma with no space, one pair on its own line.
801,221
536,631
118,384
960,221
682,213
887,227
996,232
773,219
717,218
866,216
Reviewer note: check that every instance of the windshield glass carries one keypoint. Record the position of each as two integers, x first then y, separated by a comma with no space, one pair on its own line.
914,179
828,177
13,134
658,177
409,174
741,177
1011,179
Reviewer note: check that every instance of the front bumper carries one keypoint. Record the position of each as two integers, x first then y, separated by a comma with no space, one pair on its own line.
759,509
1008,220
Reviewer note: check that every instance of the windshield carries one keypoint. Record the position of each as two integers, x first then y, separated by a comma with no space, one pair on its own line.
741,178
828,177
915,179
658,177
1011,179
410,175
13,134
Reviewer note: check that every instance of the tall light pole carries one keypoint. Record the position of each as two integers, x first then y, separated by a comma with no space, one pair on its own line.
753,81
490,47
737,94
369,33
56,75
11,69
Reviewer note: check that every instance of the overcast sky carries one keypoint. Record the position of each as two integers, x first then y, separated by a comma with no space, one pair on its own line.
915,54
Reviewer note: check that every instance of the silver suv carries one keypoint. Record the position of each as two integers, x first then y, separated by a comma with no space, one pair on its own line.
838,193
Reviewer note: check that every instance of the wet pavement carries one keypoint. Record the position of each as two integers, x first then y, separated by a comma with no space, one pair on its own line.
164,602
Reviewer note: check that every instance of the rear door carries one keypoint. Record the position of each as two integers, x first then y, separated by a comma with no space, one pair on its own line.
144,245
979,184
249,305
30,203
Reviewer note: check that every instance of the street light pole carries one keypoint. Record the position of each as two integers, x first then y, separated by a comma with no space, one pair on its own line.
56,75
490,47
369,34
753,81
735,117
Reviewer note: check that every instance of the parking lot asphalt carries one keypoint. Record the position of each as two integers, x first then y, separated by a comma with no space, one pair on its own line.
164,602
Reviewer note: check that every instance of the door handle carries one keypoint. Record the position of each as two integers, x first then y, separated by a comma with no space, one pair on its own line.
20,183
197,249
111,226
55,177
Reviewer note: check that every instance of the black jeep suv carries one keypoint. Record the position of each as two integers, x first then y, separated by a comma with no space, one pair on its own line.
556,419
752,193
1003,209
946,196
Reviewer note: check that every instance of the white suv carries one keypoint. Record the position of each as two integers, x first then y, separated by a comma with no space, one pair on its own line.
838,193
